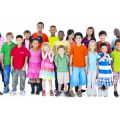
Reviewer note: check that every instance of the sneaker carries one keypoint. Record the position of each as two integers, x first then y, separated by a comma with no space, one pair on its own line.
116,94
94,93
79,93
1,93
22,92
83,90
6,90
37,92
51,93
105,93
57,94
100,93
32,92
12,93
72,94
43,93
66,94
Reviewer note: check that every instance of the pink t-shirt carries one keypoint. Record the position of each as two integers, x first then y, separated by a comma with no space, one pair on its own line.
1,43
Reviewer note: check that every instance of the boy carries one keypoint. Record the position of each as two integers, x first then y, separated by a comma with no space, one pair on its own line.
19,56
102,36
26,41
6,64
79,63
62,62
116,66
53,38
40,34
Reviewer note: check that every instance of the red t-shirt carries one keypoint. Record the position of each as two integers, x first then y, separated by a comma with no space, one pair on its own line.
19,55
44,38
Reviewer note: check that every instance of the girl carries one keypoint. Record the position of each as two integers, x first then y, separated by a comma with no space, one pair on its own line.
90,35
70,37
47,68
34,66
92,69
105,71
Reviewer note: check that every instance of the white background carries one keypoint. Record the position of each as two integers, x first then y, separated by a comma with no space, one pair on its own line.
19,15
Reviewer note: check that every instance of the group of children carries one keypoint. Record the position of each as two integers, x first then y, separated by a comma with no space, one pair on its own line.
70,63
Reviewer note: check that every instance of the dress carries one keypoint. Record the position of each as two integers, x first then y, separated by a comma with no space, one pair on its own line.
47,70
34,64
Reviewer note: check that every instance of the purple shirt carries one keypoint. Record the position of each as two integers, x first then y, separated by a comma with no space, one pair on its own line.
1,43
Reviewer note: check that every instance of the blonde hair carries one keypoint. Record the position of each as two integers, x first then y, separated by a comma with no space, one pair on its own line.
45,44
92,41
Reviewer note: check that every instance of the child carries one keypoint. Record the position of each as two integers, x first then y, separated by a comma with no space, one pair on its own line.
47,68
92,69
116,66
62,62
78,61
1,57
104,71
19,57
6,63
53,38
26,42
34,66
117,35
90,35
103,35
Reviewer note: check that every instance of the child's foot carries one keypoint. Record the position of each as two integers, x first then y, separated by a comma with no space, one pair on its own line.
66,94
37,92
43,93
100,93
89,95
116,94
6,90
79,93
1,93
32,92
72,94
51,93
57,93
105,93
22,92
12,93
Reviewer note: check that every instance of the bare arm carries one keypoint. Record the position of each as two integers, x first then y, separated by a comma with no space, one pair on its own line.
51,57
24,67
44,56
12,63
71,60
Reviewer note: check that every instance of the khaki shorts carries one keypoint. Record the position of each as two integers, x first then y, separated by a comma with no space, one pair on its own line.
63,77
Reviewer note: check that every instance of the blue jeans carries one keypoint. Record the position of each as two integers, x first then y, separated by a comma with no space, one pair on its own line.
7,69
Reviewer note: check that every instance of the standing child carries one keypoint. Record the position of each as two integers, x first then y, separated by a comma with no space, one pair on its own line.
78,61
92,69
62,63
116,66
104,71
47,68
19,57
34,66
6,63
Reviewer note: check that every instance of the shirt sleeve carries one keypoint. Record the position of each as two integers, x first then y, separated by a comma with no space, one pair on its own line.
2,49
72,51
56,58
12,52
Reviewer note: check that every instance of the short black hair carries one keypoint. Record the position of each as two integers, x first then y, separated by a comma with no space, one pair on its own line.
118,40
103,44
102,33
27,31
19,36
52,26
78,34
40,23
61,31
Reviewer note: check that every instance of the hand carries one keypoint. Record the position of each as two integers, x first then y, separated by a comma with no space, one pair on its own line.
12,67
24,68
2,65
86,69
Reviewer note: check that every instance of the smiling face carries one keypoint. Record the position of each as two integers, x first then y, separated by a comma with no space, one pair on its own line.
89,32
92,46
78,39
19,41
104,49
61,51
9,38
35,43
103,37
40,27
71,36
27,36
46,48
118,46
52,31
61,35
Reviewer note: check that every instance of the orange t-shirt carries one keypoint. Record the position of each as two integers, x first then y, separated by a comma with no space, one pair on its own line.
44,38
79,53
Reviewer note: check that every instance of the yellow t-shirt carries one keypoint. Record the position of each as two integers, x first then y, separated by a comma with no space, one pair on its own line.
52,40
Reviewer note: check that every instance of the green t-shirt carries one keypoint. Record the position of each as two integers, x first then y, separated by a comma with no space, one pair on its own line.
52,40
116,60
62,63
6,49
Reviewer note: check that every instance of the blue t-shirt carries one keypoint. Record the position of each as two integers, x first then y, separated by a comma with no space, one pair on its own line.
92,61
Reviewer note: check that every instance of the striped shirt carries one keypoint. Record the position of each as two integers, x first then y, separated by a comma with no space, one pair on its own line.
104,66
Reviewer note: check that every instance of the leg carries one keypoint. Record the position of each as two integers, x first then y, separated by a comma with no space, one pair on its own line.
38,85
15,80
32,86
22,80
50,84
43,88
2,73
89,81
56,81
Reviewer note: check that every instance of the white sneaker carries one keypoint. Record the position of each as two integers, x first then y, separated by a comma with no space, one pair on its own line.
100,93
12,93
22,93
105,93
